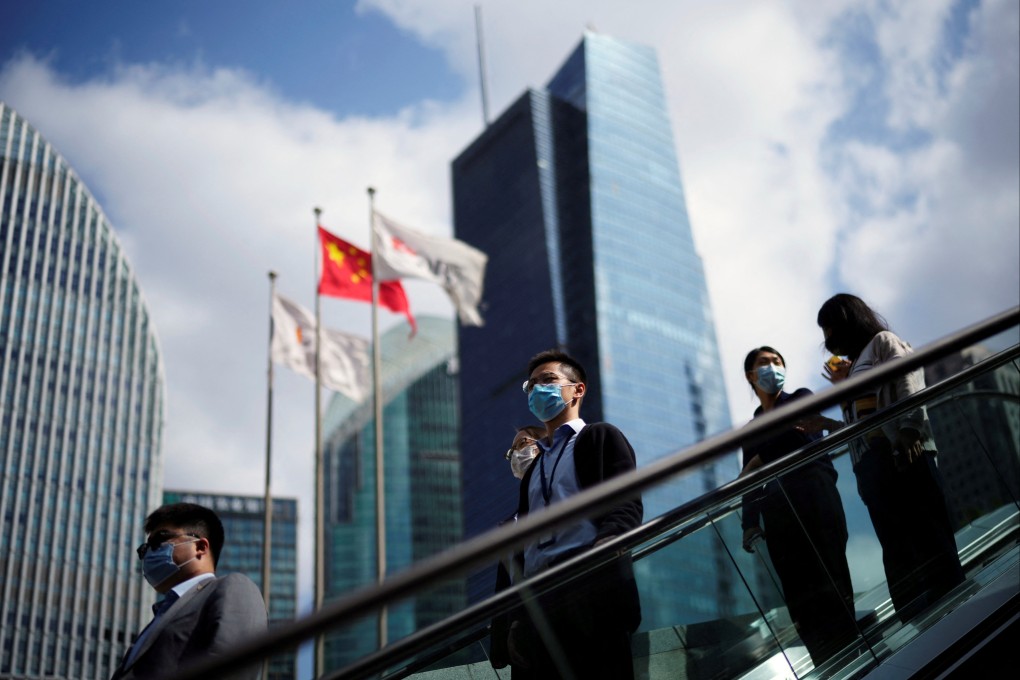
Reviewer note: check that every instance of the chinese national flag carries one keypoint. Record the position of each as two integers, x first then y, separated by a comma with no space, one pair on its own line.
347,273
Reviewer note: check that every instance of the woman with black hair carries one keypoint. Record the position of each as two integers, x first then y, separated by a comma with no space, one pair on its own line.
897,476
521,454
805,527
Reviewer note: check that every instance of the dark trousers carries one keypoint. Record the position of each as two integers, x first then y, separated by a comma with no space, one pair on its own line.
581,630
908,511
572,645
805,530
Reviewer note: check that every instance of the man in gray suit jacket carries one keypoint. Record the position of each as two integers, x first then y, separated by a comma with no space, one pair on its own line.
200,615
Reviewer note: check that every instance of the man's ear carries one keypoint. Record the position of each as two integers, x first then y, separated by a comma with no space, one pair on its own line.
202,547
579,390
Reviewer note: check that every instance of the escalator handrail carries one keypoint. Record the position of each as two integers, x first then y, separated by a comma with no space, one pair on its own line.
487,547
704,506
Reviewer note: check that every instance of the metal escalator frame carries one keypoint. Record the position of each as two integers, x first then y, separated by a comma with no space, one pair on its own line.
483,549
704,505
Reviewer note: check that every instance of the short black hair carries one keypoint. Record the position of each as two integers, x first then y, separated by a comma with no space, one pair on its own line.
192,518
752,356
571,366
851,323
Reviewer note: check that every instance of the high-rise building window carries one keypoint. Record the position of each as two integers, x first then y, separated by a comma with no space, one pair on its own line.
56,450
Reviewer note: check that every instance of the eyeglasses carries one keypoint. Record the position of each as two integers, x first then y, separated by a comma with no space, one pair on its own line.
156,540
524,442
545,379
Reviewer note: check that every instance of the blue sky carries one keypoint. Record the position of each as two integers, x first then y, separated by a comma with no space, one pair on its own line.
860,145
322,52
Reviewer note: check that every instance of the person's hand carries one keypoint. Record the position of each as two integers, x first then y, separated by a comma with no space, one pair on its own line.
516,646
751,466
751,536
817,423
835,370
908,447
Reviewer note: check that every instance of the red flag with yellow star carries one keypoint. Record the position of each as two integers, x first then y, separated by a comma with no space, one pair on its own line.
347,273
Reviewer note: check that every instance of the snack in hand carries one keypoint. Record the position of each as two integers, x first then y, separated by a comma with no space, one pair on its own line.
834,362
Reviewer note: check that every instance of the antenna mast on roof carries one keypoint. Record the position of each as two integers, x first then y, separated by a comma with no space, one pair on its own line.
481,65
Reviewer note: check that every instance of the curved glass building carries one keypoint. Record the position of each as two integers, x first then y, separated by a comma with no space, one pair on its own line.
81,420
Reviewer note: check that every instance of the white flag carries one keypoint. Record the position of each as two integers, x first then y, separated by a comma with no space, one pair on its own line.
343,360
453,264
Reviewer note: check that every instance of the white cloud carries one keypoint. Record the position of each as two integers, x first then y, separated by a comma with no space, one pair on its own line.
210,180
751,96
210,177
909,35
753,89
936,236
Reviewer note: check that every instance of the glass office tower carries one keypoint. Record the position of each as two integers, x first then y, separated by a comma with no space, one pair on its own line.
575,195
81,421
242,518
421,438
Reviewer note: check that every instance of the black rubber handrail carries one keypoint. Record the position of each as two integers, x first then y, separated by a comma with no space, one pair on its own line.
485,548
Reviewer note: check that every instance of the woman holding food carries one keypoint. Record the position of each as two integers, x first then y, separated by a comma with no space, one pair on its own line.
897,476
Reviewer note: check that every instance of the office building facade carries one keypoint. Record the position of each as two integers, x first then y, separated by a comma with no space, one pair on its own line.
81,421
422,483
976,429
574,193
243,523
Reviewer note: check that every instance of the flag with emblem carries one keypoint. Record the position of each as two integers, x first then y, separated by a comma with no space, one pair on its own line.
454,265
343,358
347,273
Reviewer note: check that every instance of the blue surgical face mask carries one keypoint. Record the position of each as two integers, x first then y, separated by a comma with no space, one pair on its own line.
546,401
158,565
771,378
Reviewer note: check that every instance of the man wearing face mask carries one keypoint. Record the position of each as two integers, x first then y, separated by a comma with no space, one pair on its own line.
589,624
805,526
200,615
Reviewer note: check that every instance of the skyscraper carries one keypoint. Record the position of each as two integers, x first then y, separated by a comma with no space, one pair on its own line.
421,436
575,195
242,518
81,421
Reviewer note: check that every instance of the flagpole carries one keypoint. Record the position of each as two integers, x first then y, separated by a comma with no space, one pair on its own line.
380,489
267,512
484,86
320,667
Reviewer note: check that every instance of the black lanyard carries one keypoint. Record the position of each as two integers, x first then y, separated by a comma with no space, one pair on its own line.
547,484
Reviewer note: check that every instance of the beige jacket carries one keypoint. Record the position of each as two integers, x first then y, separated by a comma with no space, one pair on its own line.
887,346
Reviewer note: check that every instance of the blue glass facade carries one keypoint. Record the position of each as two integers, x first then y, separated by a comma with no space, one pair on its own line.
242,518
421,437
81,421
575,195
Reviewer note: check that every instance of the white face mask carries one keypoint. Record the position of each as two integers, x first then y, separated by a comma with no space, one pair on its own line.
520,459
